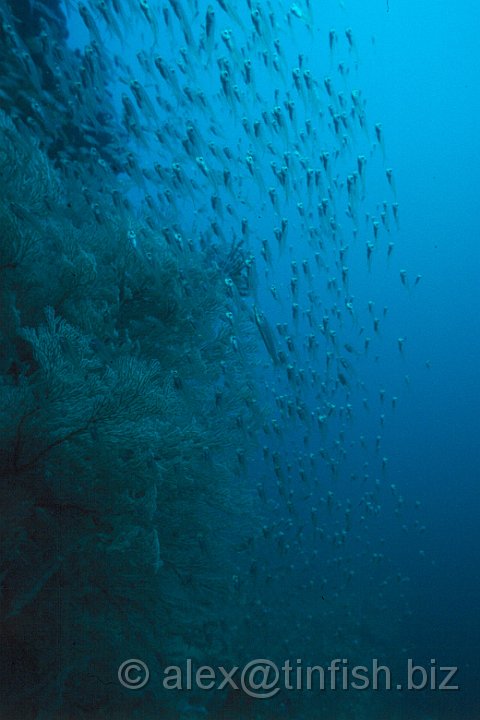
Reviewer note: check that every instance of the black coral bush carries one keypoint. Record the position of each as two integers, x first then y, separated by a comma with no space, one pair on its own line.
122,401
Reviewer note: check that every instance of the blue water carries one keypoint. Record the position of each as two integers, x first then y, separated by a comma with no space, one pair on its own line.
420,77
313,489
425,60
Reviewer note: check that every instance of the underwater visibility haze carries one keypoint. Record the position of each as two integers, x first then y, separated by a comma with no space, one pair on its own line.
239,342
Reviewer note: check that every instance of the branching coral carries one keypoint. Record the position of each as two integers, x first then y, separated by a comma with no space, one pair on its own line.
121,398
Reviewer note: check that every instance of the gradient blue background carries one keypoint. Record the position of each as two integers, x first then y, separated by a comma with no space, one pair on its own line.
421,77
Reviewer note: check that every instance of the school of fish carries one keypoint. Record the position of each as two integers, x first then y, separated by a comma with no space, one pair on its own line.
240,128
